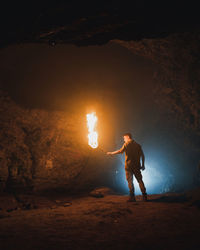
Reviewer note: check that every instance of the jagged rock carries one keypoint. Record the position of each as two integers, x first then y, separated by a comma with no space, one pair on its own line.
43,150
38,149
67,204
100,192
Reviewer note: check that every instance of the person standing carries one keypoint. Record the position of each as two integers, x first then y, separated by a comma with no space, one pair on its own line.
133,155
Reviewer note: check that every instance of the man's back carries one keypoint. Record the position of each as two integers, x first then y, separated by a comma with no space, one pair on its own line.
132,153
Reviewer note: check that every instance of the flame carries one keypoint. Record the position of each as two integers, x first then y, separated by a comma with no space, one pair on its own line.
92,135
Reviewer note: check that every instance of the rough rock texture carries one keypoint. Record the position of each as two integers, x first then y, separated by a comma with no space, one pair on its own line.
37,148
169,221
100,192
178,80
97,22
45,150
93,22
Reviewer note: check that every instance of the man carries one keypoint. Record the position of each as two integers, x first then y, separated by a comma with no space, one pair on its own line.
133,153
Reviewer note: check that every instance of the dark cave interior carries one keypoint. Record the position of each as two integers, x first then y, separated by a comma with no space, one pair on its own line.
120,87
137,65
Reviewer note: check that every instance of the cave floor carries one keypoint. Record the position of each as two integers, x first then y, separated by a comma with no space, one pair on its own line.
59,222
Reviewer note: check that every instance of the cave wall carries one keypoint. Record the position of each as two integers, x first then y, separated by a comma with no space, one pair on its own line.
41,150
177,93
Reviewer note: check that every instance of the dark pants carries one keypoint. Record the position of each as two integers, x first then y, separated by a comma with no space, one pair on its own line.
129,176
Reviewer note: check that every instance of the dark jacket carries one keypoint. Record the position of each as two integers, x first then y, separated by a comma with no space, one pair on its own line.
133,152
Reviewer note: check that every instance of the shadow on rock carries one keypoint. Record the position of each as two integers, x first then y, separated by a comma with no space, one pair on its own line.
171,199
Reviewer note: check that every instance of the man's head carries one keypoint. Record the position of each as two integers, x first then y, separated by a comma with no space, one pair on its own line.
127,137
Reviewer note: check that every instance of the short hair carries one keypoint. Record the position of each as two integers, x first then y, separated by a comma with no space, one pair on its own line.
128,134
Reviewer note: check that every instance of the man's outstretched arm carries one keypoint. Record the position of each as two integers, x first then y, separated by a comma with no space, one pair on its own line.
114,152
120,151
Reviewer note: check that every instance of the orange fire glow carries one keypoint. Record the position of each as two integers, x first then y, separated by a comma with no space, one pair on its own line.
92,135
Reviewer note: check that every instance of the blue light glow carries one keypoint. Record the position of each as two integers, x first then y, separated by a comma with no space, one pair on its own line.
156,179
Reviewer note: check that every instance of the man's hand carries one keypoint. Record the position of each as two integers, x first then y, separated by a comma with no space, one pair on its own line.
143,168
109,153
114,152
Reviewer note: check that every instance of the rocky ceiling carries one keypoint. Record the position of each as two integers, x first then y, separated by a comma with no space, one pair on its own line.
93,22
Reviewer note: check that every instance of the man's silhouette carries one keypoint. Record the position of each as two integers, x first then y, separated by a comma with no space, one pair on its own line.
133,154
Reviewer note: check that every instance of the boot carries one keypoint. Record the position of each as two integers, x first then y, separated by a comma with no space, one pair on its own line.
144,197
131,198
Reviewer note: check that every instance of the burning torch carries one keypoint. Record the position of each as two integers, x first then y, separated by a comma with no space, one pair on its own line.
92,133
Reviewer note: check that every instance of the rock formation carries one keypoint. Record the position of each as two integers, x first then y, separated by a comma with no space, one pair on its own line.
42,149
46,150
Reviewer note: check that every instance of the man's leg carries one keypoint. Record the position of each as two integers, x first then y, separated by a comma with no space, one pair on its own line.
138,176
129,178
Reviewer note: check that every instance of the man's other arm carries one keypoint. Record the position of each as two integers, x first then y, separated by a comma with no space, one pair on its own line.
143,159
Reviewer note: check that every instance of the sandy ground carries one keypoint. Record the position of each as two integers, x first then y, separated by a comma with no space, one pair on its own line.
170,221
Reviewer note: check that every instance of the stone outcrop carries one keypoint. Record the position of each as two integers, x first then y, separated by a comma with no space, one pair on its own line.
46,150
